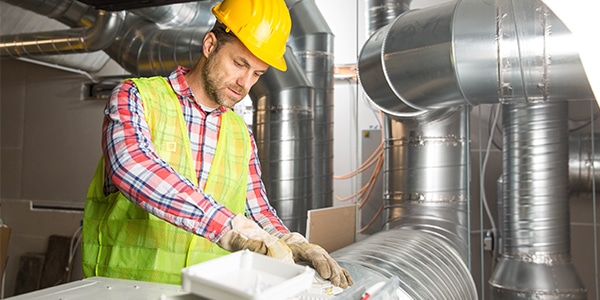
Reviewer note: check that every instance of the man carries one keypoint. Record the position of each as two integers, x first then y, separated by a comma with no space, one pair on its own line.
179,182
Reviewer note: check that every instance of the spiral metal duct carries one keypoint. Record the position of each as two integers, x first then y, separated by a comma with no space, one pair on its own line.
426,266
283,126
312,42
536,258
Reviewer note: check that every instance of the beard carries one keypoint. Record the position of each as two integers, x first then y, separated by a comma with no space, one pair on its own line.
212,86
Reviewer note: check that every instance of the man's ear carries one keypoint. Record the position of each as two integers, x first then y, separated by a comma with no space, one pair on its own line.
209,44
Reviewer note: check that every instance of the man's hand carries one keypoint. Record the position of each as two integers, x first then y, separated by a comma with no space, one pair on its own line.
246,234
319,259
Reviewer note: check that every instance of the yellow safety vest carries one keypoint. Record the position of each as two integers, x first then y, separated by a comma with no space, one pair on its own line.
122,240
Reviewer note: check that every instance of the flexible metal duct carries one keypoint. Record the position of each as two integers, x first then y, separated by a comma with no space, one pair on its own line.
424,266
283,125
312,42
425,176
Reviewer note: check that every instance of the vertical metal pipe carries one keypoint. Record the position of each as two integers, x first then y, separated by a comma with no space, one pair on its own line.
425,176
312,42
283,125
536,260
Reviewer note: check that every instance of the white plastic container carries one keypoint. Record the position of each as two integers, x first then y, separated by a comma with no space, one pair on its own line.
246,275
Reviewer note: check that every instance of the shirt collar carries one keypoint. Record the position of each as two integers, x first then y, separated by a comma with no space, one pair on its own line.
182,88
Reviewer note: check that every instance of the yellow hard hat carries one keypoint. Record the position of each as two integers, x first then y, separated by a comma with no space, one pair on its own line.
263,26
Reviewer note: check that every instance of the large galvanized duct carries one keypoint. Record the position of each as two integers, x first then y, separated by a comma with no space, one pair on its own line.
312,42
426,153
478,52
444,55
535,260
425,176
416,264
283,126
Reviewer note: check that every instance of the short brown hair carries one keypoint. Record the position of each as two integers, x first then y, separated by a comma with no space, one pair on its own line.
223,34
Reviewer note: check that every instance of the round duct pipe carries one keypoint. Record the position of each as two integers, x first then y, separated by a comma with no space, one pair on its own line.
471,50
283,126
418,265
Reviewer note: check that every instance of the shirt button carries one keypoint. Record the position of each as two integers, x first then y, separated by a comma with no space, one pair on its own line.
211,235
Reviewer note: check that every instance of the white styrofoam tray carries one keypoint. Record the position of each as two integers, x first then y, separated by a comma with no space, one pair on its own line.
246,275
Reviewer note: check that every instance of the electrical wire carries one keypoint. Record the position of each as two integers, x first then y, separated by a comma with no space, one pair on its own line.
363,195
482,174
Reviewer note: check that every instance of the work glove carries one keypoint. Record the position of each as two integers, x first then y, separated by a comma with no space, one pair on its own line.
318,258
246,234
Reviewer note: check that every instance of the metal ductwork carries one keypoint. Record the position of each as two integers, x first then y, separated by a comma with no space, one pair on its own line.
448,55
426,176
383,12
77,40
283,127
22,17
583,156
312,42
535,260
193,14
519,54
416,264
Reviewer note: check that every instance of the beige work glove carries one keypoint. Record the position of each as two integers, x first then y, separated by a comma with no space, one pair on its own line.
246,234
319,259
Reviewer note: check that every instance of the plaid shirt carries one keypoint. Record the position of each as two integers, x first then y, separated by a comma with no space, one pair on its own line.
134,168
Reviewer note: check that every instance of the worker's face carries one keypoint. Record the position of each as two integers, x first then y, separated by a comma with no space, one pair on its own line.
229,73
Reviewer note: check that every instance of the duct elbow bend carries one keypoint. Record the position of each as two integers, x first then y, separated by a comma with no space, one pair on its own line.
104,31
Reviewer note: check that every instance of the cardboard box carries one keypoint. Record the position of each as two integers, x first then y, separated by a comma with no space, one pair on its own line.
332,227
